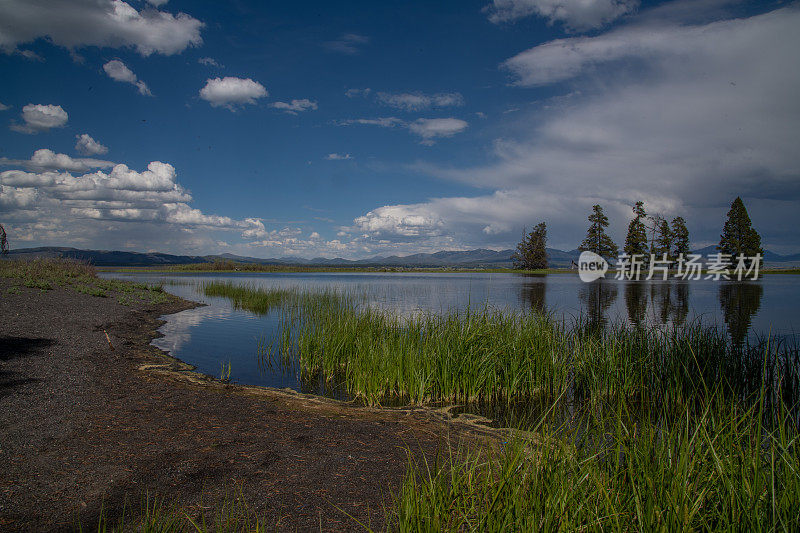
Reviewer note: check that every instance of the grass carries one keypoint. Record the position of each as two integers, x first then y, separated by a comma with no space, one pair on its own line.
49,274
634,429
496,357
719,469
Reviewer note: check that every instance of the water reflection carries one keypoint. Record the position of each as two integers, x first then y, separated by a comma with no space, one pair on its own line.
739,303
532,293
597,297
217,333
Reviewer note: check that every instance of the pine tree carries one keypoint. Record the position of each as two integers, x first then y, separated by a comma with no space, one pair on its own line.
538,244
663,240
738,235
636,240
680,237
597,240
522,257
531,251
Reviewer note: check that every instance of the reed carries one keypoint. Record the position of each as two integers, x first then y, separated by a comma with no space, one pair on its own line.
716,469
491,356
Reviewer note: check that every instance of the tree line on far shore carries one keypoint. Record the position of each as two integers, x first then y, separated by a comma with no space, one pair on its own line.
648,234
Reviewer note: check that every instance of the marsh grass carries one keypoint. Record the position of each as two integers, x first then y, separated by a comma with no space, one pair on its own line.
717,469
625,428
494,357
48,274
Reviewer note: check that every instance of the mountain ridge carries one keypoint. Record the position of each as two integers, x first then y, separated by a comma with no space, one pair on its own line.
480,257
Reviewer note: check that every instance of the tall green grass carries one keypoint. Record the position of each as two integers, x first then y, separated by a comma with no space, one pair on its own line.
719,468
491,356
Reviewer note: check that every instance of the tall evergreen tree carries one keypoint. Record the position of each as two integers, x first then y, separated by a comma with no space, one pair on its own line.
521,256
680,237
738,235
597,240
531,251
538,245
663,240
636,240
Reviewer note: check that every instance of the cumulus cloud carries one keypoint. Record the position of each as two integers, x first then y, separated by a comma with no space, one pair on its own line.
295,106
694,115
118,71
418,101
46,159
112,23
3,107
55,188
338,157
88,146
348,43
231,92
41,117
576,15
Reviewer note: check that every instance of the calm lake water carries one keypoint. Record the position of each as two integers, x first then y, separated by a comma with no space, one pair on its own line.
212,335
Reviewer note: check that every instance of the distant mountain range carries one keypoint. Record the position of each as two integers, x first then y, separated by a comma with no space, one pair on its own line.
465,259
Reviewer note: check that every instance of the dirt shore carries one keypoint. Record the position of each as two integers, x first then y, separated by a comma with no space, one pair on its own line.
84,426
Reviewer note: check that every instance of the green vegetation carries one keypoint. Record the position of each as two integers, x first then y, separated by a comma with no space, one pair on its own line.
597,240
492,356
625,428
49,274
531,252
636,240
680,237
711,466
738,235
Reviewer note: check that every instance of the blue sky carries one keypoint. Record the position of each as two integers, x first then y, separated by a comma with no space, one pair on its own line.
360,128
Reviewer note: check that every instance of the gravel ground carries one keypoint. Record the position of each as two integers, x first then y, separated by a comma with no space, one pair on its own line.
82,428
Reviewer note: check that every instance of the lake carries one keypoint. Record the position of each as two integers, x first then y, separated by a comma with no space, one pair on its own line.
216,334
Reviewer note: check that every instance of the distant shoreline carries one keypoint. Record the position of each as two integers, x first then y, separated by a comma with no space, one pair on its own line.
267,269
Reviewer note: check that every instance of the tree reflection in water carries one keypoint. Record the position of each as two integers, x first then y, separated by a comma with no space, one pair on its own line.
597,297
532,293
739,303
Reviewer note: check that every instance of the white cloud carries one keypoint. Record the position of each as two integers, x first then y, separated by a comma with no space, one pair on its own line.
41,117
694,116
112,23
157,3
146,206
338,157
354,93
431,128
118,71
348,43
45,159
295,106
3,107
209,62
231,92
418,101
88,146
383,122
576,15
427,128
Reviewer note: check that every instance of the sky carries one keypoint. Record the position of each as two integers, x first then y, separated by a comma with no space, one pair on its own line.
353,129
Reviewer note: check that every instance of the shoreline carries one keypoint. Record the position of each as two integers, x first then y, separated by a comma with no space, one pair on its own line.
94,416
